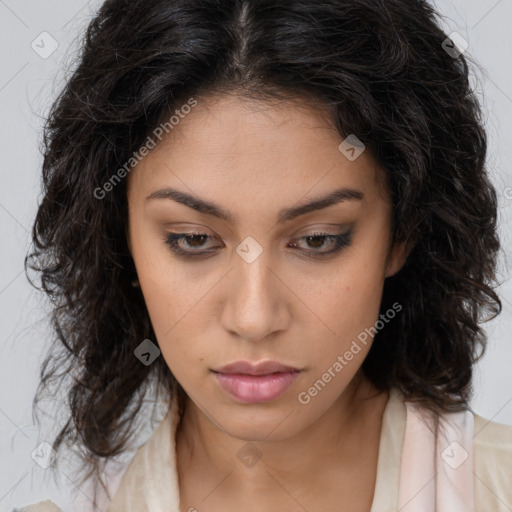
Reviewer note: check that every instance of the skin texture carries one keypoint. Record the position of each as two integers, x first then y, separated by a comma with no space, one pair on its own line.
254,159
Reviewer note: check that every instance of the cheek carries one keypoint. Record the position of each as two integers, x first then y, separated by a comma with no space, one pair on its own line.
347,308
172,300
175,312
347,298
164,288
176,297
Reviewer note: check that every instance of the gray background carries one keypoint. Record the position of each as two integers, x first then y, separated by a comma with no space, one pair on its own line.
28,84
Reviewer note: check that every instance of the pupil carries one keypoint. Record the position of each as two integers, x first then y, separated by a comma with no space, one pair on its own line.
195,237
318,238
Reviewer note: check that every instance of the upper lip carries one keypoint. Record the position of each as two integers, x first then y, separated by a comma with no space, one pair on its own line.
263,368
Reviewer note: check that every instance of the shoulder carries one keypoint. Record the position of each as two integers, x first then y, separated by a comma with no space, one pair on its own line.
41,506
492,445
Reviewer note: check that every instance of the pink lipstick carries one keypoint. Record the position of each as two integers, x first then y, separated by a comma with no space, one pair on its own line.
256,383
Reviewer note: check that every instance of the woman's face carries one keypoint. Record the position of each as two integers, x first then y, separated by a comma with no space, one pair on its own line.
264,277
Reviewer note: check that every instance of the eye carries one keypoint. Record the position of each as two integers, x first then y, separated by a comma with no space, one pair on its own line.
188,244
316,241
195,244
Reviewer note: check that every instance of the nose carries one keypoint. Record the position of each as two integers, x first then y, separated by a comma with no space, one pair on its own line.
256,304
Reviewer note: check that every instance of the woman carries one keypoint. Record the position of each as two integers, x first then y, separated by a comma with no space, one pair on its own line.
271,211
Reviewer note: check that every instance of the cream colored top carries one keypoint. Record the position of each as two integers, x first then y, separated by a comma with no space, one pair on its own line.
150,482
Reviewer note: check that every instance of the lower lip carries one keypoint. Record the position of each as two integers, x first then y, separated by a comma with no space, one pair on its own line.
252,389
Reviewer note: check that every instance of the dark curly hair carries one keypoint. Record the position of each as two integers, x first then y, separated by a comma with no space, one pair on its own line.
380,69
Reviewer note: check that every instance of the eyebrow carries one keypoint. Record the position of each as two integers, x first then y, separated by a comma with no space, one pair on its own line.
206,207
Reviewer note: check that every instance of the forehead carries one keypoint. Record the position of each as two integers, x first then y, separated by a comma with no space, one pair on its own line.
228,145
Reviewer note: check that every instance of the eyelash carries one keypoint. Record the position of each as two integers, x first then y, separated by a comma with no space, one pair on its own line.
339,240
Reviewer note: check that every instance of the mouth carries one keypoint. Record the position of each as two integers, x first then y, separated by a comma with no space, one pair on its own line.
256,383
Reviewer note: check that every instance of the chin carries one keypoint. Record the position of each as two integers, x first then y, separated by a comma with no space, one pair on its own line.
260,423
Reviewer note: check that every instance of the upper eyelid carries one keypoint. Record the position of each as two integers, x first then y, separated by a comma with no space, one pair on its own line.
202,229
308,232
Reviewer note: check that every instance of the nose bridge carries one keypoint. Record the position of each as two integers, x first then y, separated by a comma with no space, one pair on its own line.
255,304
